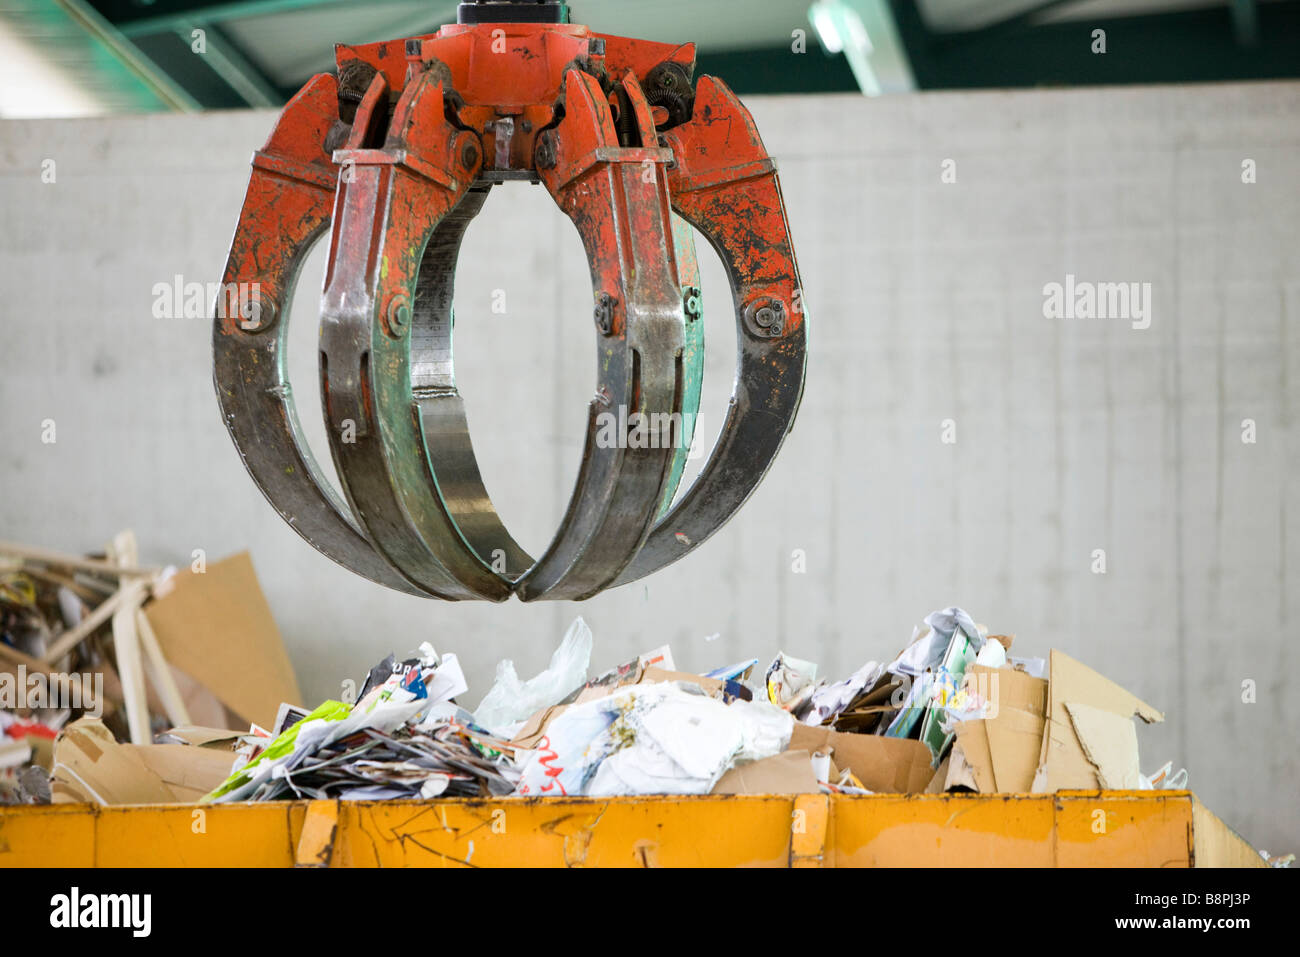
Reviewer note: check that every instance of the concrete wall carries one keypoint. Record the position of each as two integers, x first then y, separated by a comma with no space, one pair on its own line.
926,302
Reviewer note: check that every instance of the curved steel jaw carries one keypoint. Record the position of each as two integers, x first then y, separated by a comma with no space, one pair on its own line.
632,155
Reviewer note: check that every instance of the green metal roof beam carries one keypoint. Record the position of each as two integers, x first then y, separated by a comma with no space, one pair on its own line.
1186,46
225,59
1245,21
134,22
126,53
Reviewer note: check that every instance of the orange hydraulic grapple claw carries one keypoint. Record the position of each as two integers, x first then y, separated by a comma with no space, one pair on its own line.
393,159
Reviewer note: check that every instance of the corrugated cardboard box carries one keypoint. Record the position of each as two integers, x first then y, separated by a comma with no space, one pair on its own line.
887,765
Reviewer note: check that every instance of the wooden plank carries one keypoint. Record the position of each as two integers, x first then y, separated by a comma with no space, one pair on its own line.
22,658
48,557
160,673
126,643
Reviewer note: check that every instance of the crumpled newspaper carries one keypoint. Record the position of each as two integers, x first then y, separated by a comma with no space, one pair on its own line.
829,700
791,682
402,696
926,650
662,738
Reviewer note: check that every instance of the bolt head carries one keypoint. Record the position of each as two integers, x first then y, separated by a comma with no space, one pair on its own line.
604,313
766,318
694,305
399,316
469,156
546,151
256,314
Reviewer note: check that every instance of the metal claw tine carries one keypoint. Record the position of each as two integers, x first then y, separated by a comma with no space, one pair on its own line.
286,209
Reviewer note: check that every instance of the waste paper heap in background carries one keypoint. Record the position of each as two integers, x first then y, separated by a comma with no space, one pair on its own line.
138,650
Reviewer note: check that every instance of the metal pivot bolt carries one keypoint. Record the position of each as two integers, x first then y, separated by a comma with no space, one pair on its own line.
546,150
398,315
693,303
256,314
469,155
604,313
765,318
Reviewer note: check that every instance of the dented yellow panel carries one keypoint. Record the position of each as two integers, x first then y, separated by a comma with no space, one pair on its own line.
1113,828
722,831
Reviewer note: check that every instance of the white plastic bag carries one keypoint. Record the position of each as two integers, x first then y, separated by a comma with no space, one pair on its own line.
511,701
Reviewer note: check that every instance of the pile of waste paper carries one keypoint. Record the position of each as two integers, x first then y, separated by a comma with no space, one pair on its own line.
955,710
402,739
138,649
51,664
